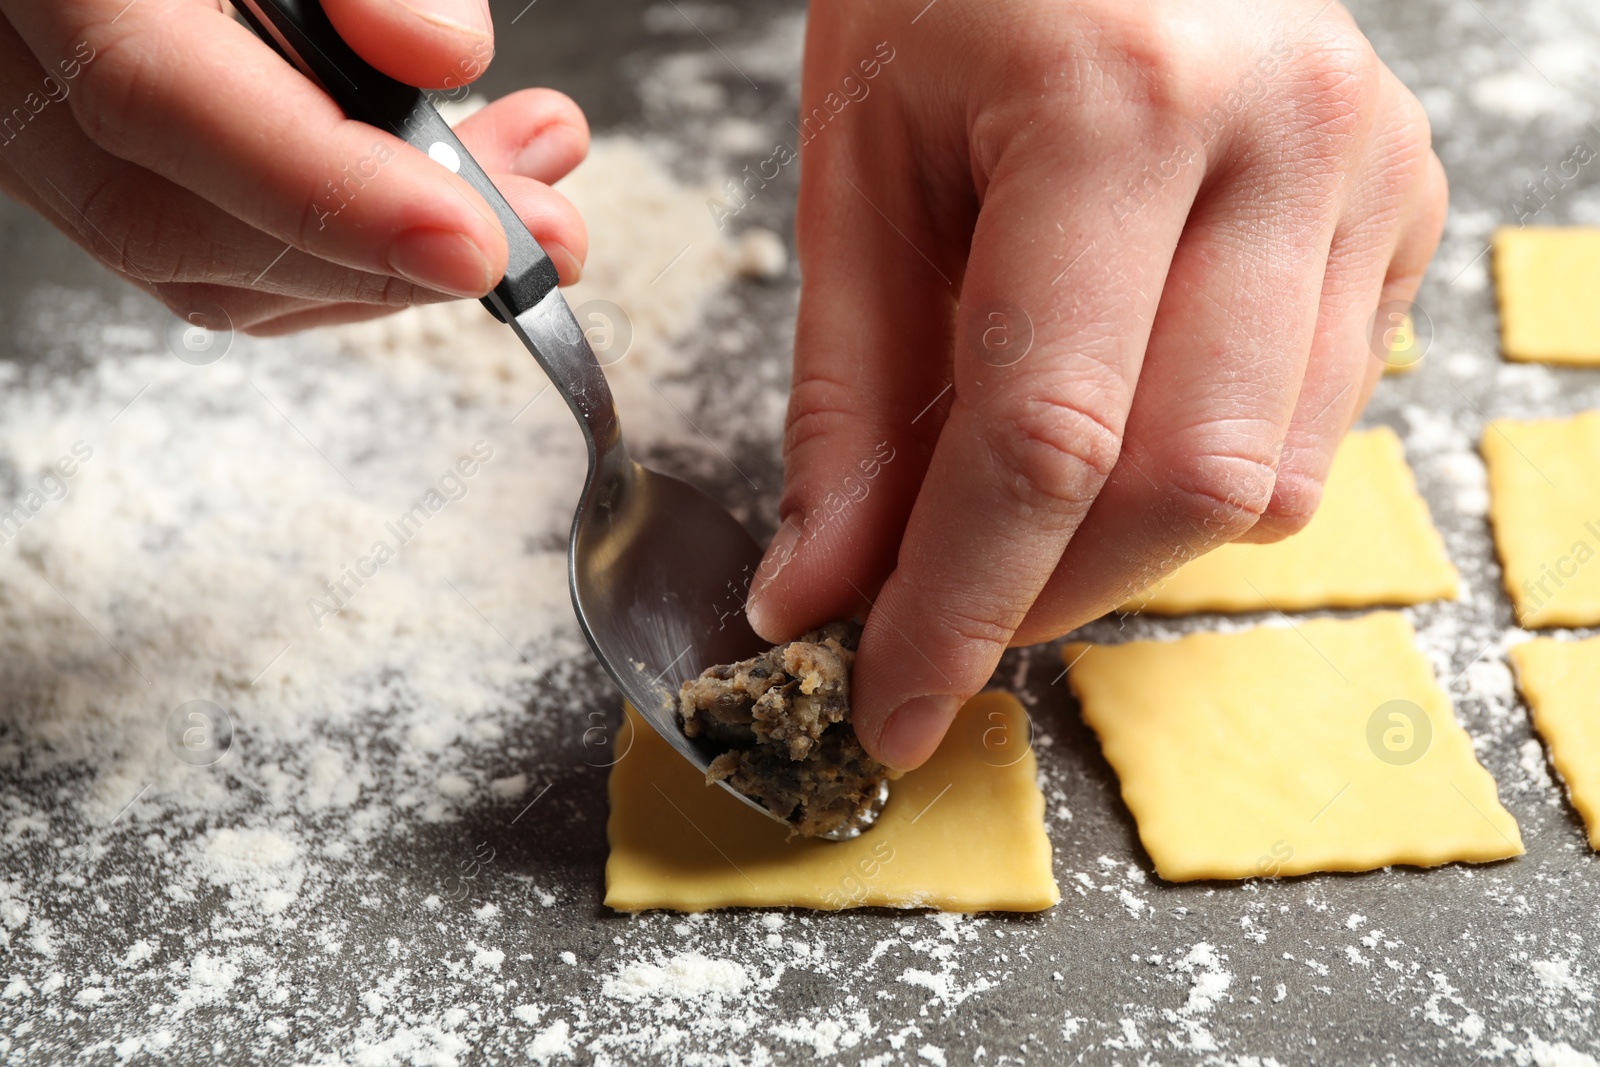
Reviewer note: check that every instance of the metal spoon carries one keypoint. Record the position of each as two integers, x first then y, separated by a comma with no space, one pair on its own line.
658,569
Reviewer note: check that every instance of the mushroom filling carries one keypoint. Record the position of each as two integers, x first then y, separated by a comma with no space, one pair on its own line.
784,717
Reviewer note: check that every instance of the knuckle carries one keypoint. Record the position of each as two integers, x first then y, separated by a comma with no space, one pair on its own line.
389,291
1335,76
1294,501
341,285
313,219
972,627
1403,143
1221,494
1054,453
130,232
819,406
1409,158
1154,58
1140,73
107,99
1416,129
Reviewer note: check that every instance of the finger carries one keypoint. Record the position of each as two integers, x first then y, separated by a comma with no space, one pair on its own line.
241,308
321,293
552,219
1227,367
870,390
1418,242
1027,444
1224,367
315,317
242,129
133,203
168,240
434,44
1419,239
537,133
164,237
1390,227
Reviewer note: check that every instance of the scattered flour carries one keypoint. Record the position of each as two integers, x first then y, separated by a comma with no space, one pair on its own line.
1558,979
218,546
1209,984
681,977
1559,1054
553,1041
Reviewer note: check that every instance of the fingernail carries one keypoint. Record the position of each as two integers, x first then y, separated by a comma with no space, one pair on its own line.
914,730
471,16
442,260
544,150
567,265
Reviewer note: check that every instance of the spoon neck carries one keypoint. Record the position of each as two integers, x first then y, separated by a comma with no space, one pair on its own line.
596,412
608,456
556,340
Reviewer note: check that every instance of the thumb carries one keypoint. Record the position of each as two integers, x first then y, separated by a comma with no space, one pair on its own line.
432,44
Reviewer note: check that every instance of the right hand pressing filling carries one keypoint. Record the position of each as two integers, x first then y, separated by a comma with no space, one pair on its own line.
785,717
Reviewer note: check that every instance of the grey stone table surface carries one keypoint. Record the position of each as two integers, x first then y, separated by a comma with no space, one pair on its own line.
253,925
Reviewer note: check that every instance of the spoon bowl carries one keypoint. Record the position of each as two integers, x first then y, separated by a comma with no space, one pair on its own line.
659,570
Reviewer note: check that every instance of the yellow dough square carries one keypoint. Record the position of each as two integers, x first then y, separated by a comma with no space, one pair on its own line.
1546,278
1371,542
963,832
1544,502
1561,681
1324,746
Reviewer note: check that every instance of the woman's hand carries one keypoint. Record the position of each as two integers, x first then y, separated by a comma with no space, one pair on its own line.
1088,289
170,142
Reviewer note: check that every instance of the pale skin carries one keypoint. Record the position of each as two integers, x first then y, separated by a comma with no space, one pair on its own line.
1190,211
186,155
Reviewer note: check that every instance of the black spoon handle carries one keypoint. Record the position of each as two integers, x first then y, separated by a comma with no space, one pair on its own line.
302,34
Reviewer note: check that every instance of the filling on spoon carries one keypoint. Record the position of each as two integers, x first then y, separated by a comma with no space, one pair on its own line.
785,718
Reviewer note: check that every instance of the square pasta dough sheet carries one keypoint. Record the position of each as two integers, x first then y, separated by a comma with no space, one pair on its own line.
963,832
1545,280
1372,542
1325,745
1561,681
1544,505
